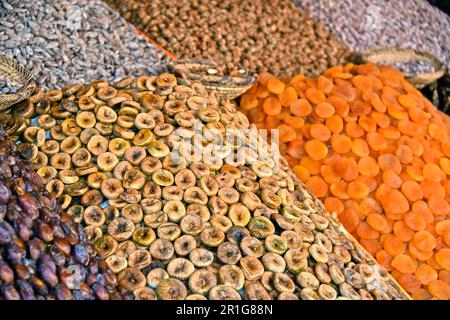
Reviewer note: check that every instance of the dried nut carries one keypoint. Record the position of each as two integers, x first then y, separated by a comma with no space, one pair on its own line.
155,276
139,259
161,249
106,246
201,257
180,268
171,289
252,268
223,292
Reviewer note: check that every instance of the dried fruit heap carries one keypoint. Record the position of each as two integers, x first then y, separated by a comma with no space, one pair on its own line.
197,228
259,35
378,154
43,253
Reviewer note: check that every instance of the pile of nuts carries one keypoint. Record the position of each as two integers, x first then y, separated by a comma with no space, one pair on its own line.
272,36
182,227
376,152
44,254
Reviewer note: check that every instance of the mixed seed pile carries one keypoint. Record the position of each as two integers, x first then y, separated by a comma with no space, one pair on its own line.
189,228
44,254
369,145
366,24
65,41
270,36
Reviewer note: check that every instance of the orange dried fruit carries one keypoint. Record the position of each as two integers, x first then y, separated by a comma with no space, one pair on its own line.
357,190
394,202
365,231
341,106
294,122
414,221
371,245
412,190
368,166
272,106
275,85
324,109
439,289
301,172
389,161
320,132
391,179
443,258
424,241
300,107
341,144
377,221
333,204
393,245
409,282
439,206
426,274
349,219
347,168
353,129
317,150
432,172
288,96
376,141
314,95
404,264
317,186
287,133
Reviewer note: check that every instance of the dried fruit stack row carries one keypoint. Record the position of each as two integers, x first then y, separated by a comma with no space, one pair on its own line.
43,253
220,221
368,144
272,36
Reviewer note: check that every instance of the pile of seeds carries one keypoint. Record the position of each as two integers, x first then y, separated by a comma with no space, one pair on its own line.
43,253
144,165
364,24
258,35
73,40
369,145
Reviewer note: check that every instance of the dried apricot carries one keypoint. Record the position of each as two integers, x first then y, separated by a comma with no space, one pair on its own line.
377,222
368,166
426,274
317,150
317,186
412,190
404,264
443,258
324,110
341,144
320,132
409,282
439,289
275,86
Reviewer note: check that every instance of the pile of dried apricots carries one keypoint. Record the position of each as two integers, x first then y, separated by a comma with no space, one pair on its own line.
377,153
